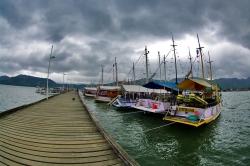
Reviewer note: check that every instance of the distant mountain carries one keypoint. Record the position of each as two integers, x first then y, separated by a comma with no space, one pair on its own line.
224,83
25,80
3,78
232,83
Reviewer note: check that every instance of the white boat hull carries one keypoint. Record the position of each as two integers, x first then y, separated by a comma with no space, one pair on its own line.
153,106
89,95
122,103
185,115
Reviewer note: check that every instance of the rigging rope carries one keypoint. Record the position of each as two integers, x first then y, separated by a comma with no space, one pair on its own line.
106,75
134,64
145,130
127,113
162,62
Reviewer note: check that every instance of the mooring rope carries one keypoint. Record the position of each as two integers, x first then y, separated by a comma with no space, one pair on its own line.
158,127
144,131
127,113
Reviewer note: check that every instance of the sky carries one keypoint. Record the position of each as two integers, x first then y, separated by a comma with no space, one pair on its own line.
88,35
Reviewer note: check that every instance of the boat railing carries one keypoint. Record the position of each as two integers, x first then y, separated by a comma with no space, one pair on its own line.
113,100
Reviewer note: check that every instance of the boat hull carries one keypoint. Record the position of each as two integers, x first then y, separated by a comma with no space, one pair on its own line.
153,106
89,95
103,99
205,115
122,103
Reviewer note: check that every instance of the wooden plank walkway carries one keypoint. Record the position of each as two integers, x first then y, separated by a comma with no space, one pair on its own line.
57,131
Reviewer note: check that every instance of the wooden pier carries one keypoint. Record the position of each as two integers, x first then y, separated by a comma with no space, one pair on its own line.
57,131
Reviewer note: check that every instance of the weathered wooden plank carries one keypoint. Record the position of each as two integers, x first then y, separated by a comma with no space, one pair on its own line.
55,132
51,136
62,132
55,146
8,148
85,140
59,160
8,160
62,148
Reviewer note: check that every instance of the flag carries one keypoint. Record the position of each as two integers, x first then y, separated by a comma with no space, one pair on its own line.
123,81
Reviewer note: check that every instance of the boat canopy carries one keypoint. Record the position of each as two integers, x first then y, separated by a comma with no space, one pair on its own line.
193,84
90,88
161,85
138,88
109,88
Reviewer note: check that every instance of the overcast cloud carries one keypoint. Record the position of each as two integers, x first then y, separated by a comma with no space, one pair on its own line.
89,34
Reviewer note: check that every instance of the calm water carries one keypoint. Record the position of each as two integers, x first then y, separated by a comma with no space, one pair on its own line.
225,141
14,96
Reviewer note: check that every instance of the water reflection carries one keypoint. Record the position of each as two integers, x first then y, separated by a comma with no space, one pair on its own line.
224,141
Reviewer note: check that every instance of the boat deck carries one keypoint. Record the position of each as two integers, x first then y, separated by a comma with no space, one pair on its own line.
184,120
57,131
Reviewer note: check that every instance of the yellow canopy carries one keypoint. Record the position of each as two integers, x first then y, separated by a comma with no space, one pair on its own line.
193,84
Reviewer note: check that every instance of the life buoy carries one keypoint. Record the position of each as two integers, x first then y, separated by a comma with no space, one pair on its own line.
196,113
154,106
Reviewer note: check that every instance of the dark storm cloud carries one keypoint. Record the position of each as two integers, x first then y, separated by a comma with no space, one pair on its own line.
88,35
161,17
12,13
233,19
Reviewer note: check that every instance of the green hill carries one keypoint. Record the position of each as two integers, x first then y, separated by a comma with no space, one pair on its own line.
25,80
232,83
3,78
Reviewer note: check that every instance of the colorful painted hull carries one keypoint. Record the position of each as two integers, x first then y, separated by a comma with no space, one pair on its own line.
193,116
153,106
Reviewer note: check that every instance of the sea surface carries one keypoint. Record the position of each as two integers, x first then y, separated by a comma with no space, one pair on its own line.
152,141
15,96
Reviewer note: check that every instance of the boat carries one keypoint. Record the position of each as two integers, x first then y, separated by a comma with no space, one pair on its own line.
106,93
52,91
161,97
90,91
196,109
166,92
128,97
39,89
132,94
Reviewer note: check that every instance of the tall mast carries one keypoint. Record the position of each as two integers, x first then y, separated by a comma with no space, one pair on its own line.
200,50
113,74
102,77
165,72
210,64
159,56
174,58
190,59
134,72
116,75
146,54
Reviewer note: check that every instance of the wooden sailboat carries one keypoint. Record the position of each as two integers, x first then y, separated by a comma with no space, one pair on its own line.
107,93
192,109
90,91
163,102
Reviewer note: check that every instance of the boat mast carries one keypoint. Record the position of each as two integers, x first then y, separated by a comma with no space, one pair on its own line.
190,59
146,55
165,72
174,58
210,65
113,75
200,49
159,56
102,77
134,72
116,76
